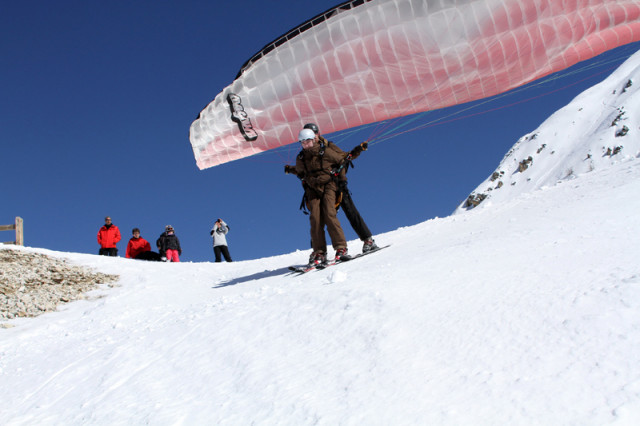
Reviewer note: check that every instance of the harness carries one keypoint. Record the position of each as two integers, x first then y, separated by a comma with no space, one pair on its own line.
334,173
305,200
320,153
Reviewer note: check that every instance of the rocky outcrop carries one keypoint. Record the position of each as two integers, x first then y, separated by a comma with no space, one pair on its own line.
32,283
597,129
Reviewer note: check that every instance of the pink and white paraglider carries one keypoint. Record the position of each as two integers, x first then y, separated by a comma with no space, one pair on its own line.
366,61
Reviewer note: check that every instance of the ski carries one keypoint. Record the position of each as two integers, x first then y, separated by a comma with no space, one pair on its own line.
303,269
334,262
369,252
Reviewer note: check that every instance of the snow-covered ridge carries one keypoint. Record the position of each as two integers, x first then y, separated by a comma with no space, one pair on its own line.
600,127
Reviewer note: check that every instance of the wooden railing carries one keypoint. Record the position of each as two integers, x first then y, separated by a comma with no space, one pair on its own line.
18,228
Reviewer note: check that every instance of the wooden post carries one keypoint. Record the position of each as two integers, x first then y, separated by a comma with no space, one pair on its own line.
19,233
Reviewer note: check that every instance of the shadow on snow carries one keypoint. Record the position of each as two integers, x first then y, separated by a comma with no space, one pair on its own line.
252,277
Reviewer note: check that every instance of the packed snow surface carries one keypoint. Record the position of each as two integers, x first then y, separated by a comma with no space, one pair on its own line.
523,310
524,313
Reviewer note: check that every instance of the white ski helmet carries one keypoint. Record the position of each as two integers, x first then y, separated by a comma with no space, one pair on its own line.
306,134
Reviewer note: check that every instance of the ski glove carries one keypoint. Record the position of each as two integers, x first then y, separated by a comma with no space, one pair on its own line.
358,149
289,169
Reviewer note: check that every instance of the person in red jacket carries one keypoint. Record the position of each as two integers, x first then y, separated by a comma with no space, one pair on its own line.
108,237
137,245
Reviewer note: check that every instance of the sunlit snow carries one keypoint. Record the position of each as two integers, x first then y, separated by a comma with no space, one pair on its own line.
524,310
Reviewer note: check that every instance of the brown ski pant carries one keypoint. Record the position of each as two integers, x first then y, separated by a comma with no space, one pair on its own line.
322,211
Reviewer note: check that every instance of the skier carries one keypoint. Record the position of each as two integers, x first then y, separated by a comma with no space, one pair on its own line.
317,165
351,212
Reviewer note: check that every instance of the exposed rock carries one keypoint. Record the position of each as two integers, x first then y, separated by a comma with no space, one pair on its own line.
32,283
474,199
618,117
622,132
524,164
496,175
613,151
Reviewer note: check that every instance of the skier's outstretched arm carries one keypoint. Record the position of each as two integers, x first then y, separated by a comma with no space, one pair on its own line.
355,152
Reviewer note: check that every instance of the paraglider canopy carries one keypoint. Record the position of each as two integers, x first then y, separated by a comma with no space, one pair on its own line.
365,61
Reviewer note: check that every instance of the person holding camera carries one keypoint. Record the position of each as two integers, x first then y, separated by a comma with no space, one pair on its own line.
219,232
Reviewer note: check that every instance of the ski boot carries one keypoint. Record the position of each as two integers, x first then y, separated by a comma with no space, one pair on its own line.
317,258
369,245
342,254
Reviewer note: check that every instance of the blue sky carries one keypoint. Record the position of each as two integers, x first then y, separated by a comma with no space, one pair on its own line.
96,100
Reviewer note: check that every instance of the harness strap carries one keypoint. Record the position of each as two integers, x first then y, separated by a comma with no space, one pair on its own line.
334,175
345,163
320,153
303,203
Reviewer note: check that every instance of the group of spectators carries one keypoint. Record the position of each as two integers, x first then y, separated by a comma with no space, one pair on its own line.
168,244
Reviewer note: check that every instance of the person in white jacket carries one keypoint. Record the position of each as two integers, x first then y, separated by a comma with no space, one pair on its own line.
219,232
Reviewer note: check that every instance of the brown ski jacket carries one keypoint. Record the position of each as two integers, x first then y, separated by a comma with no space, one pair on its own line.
315,165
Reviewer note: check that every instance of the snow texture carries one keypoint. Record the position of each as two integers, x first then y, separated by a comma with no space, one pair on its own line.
600,127
523,311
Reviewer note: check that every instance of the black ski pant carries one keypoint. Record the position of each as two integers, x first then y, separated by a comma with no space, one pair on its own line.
353,215
222,250
149,255
112,251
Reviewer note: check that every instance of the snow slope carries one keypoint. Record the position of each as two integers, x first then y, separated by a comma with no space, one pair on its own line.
526,313
600,127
